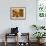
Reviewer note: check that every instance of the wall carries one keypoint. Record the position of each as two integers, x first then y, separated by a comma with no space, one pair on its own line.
24,25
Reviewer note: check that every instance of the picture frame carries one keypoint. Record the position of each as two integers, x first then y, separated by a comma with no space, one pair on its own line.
17,13
41,9
41,12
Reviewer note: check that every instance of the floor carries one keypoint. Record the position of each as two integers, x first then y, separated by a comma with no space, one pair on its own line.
13,44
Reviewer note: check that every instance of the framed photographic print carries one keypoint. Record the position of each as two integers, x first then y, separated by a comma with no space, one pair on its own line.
17,13
41,12
41,8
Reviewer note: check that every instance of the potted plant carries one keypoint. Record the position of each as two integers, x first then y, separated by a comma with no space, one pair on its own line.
38,27
39,35
42,27
35,26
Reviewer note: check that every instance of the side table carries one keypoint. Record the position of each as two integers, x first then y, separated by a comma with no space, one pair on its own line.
8,34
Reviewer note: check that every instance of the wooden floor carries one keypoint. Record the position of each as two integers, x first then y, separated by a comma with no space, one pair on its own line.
13,44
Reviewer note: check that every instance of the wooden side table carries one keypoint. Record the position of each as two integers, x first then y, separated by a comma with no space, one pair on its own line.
8,34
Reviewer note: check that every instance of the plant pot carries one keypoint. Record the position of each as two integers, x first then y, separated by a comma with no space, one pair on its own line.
40,41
